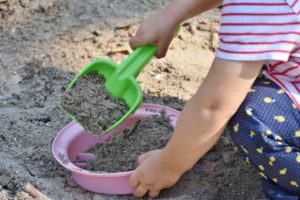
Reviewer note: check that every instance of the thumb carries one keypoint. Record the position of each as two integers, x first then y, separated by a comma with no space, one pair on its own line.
142,158
163,46
137,41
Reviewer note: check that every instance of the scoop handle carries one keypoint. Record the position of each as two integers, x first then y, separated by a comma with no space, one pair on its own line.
136,61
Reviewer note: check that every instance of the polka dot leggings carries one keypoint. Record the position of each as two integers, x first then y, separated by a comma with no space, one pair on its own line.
266,130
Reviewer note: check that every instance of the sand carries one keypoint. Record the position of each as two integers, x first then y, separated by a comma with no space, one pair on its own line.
121,152
44,43
92,105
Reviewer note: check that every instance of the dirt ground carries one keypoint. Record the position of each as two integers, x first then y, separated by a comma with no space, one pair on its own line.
43,43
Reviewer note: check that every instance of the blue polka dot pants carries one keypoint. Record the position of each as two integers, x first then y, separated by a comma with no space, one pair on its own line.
266,130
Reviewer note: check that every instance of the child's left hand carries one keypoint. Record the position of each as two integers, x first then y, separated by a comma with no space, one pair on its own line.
153,174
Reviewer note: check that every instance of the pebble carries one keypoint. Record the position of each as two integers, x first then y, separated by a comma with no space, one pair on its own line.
98,197
70,182
3,195
214,41
227,157
158,77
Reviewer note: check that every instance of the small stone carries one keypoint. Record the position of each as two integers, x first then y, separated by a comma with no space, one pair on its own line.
158,77
98,197
23,196
46,7
204,21
227,157
70,182
214,41
13,30
3,195
96,33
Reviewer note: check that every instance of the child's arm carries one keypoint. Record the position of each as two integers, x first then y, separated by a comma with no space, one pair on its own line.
200,125
160,27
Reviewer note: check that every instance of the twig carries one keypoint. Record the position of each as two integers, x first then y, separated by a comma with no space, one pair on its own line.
132,129
35,193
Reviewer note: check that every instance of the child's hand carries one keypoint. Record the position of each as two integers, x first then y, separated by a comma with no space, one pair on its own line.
159,29
153,174
156,30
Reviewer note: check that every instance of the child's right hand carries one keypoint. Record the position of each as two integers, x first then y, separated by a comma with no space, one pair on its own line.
157,30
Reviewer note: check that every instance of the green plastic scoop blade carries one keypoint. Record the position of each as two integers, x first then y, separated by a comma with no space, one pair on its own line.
120,79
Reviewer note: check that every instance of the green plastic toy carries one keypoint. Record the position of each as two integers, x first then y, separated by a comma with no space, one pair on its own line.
120,79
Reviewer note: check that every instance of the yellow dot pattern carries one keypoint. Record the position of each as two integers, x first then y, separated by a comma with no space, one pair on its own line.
259,150
247,160
280,118
294,183
278,138
249,111
298,159
282,171
236,128
268,100
280,91
279,143
288,149
263,175
251,90
265,134
272,160
266,82
261,167
268,132
252,133
245,150
275,180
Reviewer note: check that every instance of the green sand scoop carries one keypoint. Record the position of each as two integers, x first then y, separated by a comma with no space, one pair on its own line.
120,79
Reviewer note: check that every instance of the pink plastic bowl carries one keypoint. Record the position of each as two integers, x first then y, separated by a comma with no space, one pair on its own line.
72,142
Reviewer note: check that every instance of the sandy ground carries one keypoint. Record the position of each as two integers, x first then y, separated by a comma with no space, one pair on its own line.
43,43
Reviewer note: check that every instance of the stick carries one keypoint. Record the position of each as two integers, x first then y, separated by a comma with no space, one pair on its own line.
31,190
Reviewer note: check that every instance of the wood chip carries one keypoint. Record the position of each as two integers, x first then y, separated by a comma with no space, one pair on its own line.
30,189
123,50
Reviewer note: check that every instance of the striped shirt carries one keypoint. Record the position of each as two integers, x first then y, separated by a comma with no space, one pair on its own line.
266,30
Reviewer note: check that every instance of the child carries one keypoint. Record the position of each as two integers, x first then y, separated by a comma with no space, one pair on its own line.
261,113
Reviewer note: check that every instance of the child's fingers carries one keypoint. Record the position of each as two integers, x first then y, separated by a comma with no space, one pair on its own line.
142,157
137,41
140,191
163,46
134,42
133,180
153,193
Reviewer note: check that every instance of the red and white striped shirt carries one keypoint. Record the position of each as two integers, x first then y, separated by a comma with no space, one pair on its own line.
264,30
